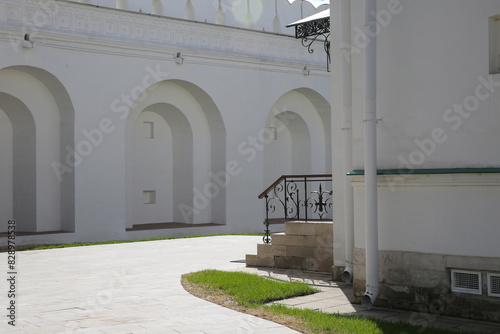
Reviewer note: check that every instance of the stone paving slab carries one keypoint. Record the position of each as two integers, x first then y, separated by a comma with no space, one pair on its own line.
126,288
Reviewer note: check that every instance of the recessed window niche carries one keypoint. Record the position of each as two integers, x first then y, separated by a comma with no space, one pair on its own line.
148,130
149,196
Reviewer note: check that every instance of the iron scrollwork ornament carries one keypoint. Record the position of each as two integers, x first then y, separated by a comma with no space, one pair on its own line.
309,32
292,199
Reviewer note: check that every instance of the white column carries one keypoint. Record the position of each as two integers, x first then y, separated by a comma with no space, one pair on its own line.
157,7
122,4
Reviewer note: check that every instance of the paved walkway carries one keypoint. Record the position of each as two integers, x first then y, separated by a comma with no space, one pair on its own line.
135,288
126,288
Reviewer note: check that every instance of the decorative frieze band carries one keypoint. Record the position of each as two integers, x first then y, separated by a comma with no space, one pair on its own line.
108,23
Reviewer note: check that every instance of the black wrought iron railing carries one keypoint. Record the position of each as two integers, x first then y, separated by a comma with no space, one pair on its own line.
297,197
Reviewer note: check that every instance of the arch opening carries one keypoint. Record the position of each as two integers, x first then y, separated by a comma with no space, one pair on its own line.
18,169
36,107
301,120
189,150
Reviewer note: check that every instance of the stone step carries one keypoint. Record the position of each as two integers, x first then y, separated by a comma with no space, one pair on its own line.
259,261
303,246
302,240
251,260
265,250
309,228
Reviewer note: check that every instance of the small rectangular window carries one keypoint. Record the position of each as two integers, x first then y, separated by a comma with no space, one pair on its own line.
466,282
493,285
148,130
149,196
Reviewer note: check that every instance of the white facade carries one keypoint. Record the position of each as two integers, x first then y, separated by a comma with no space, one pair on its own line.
112,118
438,116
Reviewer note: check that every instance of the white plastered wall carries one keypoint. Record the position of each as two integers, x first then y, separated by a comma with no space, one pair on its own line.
309,138
173,94
44,110
152,170
432,58
278,153
6,169
251,84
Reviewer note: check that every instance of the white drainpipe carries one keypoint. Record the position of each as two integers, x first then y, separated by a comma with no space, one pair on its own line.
346,98
371,219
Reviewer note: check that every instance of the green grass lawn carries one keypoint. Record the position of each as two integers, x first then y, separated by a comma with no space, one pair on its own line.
320,322
248,289
21,248
253,292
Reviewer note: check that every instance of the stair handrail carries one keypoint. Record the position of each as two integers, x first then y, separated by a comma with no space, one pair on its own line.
320,204
288,176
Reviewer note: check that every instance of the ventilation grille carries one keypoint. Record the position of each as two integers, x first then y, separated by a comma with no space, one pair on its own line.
466,282
493,285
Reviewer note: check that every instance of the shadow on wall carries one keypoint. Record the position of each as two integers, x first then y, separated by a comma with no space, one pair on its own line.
40,116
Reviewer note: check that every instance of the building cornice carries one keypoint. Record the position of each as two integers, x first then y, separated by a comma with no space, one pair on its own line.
105,30
393,178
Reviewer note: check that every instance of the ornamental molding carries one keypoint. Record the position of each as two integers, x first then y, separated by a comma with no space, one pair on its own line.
129,49
103,27
430,180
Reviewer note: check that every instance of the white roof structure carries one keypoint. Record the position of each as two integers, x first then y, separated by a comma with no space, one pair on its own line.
323,15
315,3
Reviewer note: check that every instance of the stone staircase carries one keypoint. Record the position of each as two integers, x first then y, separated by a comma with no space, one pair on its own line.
303,246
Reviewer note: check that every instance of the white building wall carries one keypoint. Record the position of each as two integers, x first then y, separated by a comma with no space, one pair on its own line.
437,132
151,170
235,12
426,66
37,98
434,112
438,214
432,59
226,87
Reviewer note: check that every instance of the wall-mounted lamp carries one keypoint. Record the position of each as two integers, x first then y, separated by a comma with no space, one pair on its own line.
179,59
28,41
305,71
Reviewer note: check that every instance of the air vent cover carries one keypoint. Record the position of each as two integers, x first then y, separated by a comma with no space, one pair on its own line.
493,285
466,282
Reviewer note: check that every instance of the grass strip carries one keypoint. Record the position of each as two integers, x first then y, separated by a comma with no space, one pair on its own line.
249,289
81,244
320,322
249,293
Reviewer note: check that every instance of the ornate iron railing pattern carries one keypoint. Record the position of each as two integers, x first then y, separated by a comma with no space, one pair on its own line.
309,32
298,197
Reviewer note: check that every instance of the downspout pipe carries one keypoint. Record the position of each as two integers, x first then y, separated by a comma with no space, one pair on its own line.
370,142
346,100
